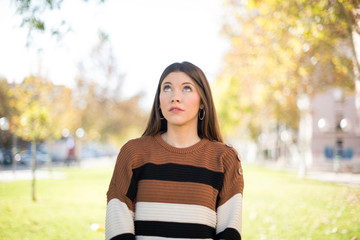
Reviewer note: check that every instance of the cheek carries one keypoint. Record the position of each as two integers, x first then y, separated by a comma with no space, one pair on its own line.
162,100
195,101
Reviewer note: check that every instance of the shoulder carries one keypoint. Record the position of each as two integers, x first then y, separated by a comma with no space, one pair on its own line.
134,149
224,149
138,144
226,154
139,141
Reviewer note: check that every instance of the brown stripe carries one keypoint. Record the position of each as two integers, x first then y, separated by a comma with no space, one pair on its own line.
148,149
114,193
177,192
199,159
233,178
121,178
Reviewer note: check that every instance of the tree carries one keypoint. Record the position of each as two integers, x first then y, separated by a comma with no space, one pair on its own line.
101,109
351,14
33,12
5,108
6,111
280,50
41,114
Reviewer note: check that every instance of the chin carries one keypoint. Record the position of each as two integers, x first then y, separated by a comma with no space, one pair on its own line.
177,123
181,122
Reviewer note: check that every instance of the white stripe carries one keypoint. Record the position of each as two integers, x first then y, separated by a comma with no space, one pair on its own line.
173,212
165,238
119,219
229,215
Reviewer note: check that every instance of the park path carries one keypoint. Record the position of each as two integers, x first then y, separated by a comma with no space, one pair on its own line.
7,175
349,179
43,172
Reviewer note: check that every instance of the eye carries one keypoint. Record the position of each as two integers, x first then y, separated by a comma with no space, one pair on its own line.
166,88
187,89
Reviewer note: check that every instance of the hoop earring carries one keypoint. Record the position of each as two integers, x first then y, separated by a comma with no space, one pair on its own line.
201,114
161,115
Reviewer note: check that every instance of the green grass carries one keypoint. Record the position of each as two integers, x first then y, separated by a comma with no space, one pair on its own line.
277,205
65,208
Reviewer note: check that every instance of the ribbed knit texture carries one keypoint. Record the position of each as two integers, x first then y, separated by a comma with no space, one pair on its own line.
158,191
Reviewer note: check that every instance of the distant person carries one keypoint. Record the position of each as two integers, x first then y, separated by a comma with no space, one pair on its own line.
70,144
179,180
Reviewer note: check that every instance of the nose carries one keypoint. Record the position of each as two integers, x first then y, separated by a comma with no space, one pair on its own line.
176,97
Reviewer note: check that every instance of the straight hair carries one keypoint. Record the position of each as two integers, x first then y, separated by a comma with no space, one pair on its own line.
208,127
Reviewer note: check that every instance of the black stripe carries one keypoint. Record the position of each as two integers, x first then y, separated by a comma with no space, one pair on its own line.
131,193
175,230
179,173
174,172
229,234
125,236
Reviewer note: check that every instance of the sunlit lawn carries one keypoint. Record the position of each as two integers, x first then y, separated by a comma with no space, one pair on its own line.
66,208
277,205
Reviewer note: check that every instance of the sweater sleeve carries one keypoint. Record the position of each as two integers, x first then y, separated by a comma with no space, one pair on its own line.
119,222
229,209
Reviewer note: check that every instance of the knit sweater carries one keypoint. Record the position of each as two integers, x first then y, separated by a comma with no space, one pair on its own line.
160,192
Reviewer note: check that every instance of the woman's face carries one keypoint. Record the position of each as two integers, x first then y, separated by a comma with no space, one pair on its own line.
179,100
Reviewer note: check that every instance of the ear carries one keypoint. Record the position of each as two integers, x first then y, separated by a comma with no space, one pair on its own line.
202,106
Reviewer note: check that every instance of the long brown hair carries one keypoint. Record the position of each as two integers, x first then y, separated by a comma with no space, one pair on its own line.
208,127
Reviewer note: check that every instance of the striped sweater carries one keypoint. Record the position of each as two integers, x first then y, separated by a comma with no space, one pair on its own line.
160,192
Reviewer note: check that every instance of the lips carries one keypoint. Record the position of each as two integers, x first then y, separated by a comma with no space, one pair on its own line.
176,109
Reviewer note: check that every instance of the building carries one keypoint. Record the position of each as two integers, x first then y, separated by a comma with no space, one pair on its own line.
335,142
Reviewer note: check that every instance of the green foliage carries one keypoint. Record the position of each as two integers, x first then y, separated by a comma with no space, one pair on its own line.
33,23
32,13
33,121
41,110
228,109
38,110
5,107
281,49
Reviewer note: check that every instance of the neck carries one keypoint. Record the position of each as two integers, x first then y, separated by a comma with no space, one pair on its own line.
180,137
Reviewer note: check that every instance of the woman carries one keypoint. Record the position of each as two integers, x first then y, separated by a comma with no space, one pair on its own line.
178,181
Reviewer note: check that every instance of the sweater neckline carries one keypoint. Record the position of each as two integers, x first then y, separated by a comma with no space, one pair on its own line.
171,148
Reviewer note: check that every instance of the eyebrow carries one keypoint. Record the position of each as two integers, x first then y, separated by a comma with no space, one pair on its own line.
184,83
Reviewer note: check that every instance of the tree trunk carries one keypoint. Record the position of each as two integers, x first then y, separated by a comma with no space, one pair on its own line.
49,151
304,134
354,41
33,170
14,150
357,105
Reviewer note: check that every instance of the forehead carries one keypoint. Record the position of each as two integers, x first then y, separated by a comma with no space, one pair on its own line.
177,78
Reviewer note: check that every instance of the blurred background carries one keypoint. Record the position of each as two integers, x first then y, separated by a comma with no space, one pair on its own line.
95,73
77,80
285,75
